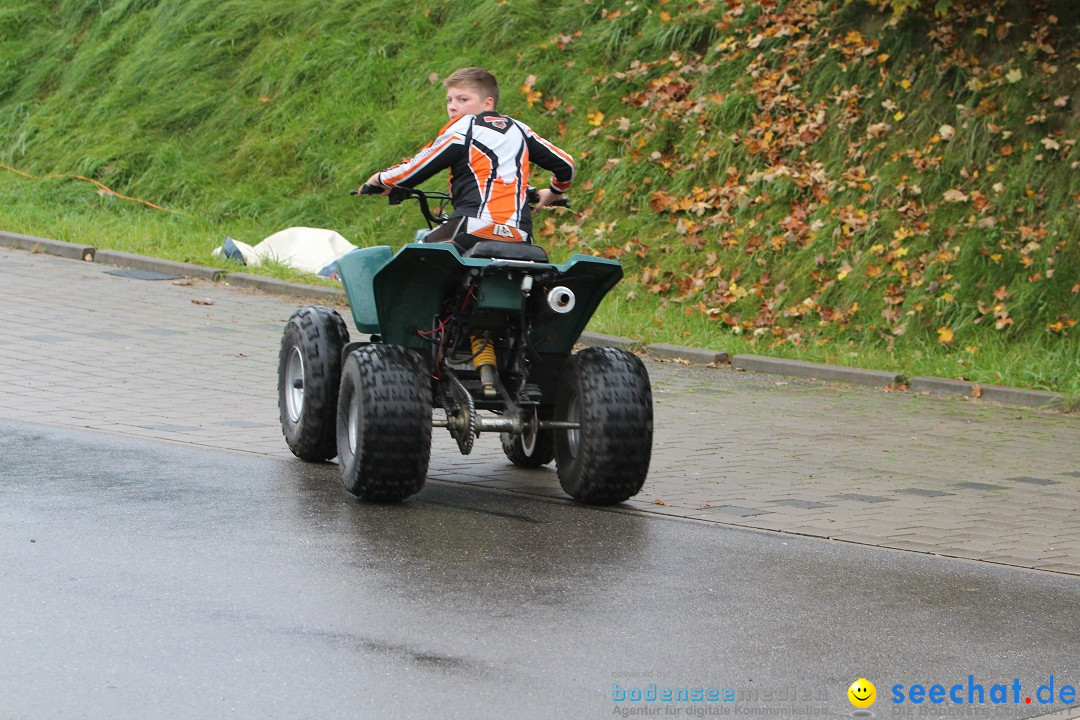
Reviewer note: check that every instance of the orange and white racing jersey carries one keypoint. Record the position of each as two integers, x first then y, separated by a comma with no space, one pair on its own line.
488,156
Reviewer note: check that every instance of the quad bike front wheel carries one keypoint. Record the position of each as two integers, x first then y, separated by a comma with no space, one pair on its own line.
607,392
384,423
529,449
309,369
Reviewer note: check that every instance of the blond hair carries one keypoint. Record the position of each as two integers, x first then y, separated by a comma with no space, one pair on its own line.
476,79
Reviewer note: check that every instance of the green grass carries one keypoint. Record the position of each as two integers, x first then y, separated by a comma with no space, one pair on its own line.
251,116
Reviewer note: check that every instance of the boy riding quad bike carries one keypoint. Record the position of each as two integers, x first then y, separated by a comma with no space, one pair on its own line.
473,322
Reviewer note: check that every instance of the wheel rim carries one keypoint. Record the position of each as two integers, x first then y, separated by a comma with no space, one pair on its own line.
294,384
528,438
573,437
354,423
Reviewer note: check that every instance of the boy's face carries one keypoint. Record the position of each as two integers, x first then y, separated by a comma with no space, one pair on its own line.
464,101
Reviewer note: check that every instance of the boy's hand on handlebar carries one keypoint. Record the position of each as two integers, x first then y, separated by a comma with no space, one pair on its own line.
548,198
373,183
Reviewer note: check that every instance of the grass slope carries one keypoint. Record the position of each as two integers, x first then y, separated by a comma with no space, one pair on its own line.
805,178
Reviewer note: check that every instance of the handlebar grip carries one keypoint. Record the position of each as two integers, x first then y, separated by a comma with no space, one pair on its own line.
366,189
561,202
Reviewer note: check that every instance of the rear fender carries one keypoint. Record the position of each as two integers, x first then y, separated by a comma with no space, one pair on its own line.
395,296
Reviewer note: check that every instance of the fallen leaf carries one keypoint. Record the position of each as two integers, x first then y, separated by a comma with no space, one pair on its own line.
947,132
955,196
878,130
976,391
196,301
945,335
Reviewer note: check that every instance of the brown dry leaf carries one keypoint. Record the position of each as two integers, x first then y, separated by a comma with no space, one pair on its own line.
184,282
945,335
878,130
197,301
658,501
955,196
976,391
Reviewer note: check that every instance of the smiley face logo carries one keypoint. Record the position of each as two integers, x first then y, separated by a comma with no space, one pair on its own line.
862,693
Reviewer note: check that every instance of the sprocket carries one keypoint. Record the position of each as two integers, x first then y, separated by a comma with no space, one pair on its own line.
461,418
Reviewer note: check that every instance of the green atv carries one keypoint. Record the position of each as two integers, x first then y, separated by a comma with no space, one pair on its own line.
484,335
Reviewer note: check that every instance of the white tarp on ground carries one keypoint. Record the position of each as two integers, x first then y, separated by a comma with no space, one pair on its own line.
313,250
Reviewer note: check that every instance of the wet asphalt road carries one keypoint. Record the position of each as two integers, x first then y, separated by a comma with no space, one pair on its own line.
144,580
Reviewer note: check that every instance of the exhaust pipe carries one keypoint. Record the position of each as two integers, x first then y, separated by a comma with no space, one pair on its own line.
561,299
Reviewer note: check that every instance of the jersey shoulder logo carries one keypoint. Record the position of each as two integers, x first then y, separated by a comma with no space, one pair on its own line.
498,123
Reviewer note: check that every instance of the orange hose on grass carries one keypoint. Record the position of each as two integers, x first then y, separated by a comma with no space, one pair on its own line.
101,187
17,172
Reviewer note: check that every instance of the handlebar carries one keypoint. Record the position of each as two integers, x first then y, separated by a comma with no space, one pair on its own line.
399,194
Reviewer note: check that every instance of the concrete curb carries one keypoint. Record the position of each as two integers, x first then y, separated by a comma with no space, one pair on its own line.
59,248
281,287
820,371
597,340
941,386
754,363
1020,396
993,393
681,352
141,262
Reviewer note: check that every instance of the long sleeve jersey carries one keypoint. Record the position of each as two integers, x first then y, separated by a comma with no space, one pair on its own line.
488,156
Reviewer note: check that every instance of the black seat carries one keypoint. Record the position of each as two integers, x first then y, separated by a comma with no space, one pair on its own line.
497,249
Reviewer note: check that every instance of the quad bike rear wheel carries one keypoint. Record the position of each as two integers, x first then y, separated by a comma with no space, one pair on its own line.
384,423
309,369
606,391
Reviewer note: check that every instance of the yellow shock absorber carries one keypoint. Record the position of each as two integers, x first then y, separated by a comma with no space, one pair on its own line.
484,361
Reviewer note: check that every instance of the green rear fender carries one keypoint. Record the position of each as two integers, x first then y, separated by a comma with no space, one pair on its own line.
396,295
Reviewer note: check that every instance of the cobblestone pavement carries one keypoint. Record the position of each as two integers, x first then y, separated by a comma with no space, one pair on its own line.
192,362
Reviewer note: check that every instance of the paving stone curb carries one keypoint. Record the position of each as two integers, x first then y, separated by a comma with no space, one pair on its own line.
142,262
753,363
59,248
281,287
820,371
681,352
599,340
